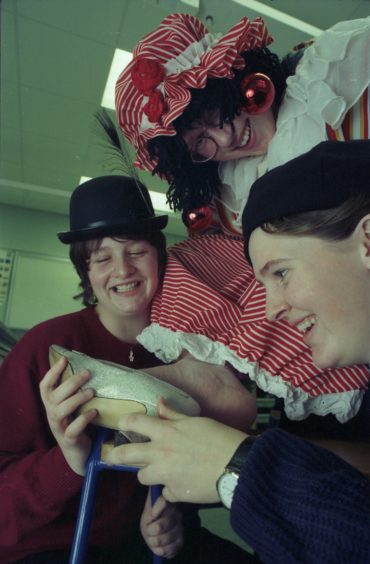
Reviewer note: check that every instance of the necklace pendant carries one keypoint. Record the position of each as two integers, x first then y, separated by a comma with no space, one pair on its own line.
131,356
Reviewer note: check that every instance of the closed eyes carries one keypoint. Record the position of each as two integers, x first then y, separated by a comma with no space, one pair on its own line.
280,273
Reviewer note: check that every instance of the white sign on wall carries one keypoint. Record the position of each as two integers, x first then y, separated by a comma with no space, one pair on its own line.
41,287
6,262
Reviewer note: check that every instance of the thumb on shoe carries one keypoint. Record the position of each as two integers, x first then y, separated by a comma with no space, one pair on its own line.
166,412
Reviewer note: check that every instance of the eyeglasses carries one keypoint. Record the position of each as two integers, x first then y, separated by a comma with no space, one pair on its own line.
205,150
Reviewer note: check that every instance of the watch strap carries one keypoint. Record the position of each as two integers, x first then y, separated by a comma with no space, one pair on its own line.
238,458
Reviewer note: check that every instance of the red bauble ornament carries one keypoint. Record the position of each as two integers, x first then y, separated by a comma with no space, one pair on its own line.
198,219
259,93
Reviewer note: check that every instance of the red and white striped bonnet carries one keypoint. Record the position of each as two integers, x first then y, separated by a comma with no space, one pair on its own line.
153,90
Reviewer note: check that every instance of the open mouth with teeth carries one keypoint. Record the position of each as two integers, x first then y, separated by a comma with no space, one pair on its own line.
122,288
246,135
306,324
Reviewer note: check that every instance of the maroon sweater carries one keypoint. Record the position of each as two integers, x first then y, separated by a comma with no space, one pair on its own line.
39,493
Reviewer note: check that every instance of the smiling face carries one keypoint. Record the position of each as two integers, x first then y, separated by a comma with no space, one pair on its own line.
124,277
248,135
322,288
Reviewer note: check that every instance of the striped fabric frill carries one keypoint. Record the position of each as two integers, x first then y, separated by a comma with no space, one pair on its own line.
356,122
212,306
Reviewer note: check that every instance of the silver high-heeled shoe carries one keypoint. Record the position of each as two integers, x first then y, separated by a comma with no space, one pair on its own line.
120,390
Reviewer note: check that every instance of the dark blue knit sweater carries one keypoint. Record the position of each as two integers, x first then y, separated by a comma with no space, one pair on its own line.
299,503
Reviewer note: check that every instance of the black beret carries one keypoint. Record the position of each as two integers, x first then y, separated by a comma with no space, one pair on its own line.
323,178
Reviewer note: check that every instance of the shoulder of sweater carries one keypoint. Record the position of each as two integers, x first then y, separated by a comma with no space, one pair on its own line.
56,330
59,323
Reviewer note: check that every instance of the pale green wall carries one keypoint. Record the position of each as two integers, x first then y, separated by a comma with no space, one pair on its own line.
30,230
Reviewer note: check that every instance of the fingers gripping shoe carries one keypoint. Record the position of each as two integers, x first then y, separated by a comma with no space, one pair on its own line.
120,390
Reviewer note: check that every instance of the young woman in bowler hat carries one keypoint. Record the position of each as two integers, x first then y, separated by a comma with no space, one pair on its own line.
209,114
307,234
119,251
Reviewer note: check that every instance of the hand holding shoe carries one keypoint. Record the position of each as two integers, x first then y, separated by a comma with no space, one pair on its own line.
61,401
119,389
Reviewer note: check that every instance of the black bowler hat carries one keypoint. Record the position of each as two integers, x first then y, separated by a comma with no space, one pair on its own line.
110,205
323,178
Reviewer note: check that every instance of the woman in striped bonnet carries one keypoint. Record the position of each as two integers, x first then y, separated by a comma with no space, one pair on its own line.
210,113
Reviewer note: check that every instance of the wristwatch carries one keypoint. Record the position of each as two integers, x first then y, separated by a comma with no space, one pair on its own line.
228,480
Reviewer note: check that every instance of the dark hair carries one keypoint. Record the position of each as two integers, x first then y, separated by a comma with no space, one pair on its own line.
334,224
81,251
192,185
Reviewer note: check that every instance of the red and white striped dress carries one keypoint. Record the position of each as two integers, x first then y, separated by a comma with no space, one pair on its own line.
212,306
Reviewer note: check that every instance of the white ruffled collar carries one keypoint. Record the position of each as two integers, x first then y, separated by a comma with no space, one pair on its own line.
320,92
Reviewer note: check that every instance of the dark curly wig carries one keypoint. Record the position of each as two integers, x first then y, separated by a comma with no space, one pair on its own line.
192,185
